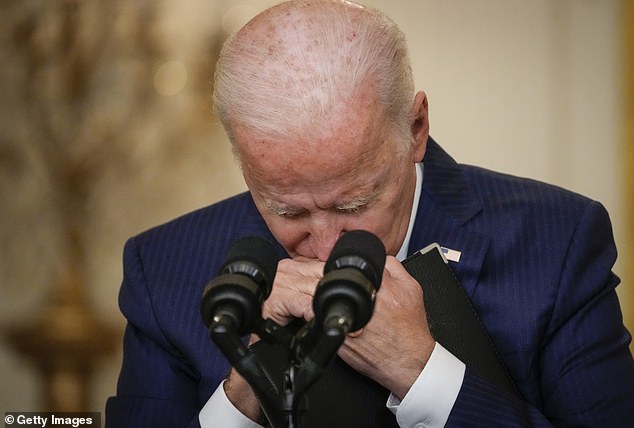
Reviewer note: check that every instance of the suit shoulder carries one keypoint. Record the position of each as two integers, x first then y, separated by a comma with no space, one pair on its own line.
502,190
189,248
225,216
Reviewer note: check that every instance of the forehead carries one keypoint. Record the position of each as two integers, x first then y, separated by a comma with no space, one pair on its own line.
340,152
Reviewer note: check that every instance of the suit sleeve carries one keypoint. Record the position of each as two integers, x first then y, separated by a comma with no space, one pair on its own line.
586,369
155,388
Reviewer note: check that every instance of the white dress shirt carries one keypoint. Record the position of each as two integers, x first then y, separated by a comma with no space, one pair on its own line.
428,402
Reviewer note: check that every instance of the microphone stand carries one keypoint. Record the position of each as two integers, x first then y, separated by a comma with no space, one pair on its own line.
309,351
343,300
224,333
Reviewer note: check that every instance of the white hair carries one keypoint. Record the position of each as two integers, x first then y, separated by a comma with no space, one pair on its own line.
299,64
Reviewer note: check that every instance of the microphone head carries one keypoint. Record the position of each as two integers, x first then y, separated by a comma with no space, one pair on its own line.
344,298
362,250
259,253
243,283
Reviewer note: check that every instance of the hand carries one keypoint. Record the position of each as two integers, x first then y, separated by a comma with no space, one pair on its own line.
396,344
241,395
293,290
291,297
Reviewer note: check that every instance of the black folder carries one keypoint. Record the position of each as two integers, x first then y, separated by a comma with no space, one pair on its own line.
452,319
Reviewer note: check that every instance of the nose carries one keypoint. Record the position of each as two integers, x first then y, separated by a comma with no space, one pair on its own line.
325,231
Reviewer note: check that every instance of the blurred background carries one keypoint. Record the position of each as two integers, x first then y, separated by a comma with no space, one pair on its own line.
107,130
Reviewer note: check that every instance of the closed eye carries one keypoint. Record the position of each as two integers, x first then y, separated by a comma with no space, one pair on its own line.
351,210
290,214
284,212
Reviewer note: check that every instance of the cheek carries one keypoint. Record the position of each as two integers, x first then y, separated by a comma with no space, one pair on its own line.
383,223
290,234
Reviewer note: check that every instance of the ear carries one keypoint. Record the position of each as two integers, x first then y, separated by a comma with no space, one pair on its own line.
420,125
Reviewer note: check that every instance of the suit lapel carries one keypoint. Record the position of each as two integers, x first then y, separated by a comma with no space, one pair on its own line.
447,214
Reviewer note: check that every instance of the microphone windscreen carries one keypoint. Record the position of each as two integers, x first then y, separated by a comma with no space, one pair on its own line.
362,244
256,250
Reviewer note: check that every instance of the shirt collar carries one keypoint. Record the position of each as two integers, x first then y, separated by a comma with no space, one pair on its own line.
402,253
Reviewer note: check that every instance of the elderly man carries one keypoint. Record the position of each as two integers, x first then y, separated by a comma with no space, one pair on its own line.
318,101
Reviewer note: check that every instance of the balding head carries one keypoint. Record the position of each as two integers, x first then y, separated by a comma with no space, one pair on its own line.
295,68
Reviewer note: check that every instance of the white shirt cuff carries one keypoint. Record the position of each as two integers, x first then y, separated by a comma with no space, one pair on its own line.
430,399
219,411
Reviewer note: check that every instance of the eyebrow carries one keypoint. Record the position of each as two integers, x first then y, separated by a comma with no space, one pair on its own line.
356,203
280,209
351,205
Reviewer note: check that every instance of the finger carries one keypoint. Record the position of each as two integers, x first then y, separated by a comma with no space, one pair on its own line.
356,333
301,274
253,338
395,268
284,305
293,290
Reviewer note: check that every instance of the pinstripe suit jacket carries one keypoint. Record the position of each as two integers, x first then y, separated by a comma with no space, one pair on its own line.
536,262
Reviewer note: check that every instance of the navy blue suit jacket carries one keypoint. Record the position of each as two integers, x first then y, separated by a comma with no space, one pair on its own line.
535,260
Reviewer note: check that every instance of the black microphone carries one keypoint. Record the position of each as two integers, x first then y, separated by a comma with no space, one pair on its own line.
234,298
344,298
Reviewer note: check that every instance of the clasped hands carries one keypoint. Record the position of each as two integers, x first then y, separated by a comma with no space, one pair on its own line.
392,349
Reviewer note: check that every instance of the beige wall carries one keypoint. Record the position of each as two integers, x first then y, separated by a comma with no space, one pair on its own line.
526,87
627,161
